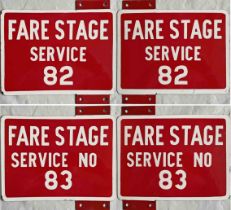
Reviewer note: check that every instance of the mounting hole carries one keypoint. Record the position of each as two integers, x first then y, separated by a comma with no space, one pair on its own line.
150,5
105,99
105,4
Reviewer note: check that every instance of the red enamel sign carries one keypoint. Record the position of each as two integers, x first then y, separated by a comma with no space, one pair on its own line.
58,158
173,158
57,52
172,52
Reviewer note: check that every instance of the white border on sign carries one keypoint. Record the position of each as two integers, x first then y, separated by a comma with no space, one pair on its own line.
39,92
227,120
114,185
171,91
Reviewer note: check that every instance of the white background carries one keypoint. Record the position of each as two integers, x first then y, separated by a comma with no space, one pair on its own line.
69,99
116,5
69,111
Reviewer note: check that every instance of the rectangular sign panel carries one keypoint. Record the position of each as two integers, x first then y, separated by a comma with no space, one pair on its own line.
58,158
173,52
58,51
173,157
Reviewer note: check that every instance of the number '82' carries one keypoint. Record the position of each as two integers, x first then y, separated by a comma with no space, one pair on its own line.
62,76
165,76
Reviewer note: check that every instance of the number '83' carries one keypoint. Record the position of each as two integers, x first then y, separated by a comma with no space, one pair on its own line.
51,182
166,183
